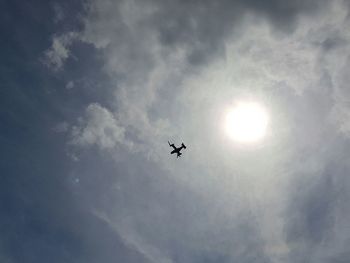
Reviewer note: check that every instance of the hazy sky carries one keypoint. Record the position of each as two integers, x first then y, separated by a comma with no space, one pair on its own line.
91,91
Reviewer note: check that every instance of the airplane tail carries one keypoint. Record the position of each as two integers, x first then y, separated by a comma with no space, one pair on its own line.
183,145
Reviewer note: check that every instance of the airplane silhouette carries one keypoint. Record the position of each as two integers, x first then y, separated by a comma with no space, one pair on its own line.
177,150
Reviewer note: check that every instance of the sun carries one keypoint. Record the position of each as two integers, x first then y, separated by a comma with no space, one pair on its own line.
246,122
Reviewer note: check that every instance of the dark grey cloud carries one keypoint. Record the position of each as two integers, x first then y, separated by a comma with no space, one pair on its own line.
317,210
333,42
313,219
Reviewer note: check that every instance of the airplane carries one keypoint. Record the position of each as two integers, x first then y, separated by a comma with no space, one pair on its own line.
177,150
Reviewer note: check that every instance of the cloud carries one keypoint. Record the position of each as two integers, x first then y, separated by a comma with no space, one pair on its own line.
151,48
151,253
61,127
59,13
100,128
59,52
70,85
175,66
200,30
141,42
316,211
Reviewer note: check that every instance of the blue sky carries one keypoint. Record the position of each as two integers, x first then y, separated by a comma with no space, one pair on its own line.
91,91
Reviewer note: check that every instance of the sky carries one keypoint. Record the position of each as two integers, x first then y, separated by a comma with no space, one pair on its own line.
92,91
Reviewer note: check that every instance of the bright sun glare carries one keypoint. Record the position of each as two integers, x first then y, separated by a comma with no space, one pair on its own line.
246,122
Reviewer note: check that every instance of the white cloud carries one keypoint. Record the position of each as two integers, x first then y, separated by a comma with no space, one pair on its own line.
160,95
59,52
99,128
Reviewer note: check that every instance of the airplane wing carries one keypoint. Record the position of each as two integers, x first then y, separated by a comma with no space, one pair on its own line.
172,145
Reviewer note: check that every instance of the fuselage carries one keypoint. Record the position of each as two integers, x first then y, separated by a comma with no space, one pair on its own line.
177,150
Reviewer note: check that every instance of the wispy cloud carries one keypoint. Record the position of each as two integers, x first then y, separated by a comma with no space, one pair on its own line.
99,128
59,51
175,67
